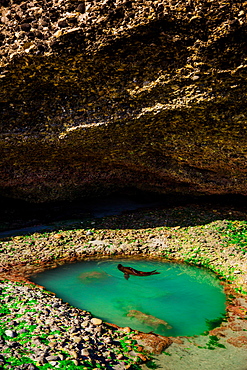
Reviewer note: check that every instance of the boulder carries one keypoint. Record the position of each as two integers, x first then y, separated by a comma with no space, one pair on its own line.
122,94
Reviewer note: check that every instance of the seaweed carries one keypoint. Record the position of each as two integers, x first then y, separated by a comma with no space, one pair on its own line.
213,343
215,323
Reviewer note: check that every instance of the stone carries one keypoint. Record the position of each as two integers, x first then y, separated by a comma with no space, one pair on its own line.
77,339
10,333
96,321
73,354
62,23
107,340
53,363
85,323
29,367
25,27
44,23
21,331
126,330
81,7
84,352
52,358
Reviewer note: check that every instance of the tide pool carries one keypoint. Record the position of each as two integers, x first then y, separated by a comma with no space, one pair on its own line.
180,301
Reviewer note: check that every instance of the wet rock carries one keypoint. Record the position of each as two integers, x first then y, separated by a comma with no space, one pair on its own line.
153,343
126,330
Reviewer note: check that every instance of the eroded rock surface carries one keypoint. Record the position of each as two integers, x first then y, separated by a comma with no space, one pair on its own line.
97,95
153,343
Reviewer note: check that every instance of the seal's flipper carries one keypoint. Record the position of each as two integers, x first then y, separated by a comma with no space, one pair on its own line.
126,275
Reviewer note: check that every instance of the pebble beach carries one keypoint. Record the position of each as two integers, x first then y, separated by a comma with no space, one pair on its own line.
40,331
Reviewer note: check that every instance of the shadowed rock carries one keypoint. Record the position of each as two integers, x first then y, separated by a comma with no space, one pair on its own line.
124,94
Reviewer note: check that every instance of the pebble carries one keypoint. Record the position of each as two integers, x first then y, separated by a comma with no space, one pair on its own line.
96,321
63,23
53,363
126,330
21,331
84,352
77,339
81,8
25,27
10,333
73,354
52,358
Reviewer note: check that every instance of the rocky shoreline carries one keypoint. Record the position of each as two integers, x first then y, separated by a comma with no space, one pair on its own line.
206,245
38,329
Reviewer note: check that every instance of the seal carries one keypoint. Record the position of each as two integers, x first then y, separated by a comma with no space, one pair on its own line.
131,271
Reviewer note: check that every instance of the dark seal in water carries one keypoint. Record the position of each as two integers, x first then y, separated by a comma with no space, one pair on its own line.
131,271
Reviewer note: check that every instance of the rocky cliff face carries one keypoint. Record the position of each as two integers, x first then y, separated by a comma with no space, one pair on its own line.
110,94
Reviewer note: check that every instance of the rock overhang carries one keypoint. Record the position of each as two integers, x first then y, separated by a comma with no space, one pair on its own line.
156,104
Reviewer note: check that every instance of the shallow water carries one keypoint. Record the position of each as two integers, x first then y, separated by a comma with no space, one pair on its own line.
180,301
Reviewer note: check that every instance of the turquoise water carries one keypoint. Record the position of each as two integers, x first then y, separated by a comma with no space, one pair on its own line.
180,301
